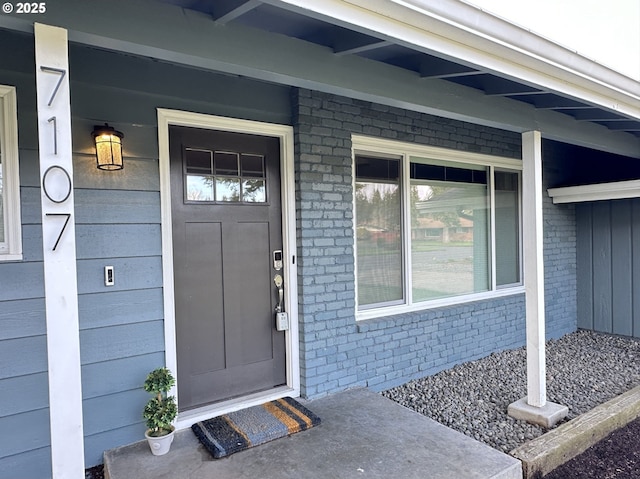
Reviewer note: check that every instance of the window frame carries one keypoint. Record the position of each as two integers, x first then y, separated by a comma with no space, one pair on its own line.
383,148
11,247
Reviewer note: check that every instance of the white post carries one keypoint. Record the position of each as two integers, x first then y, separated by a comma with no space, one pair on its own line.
534,267
59,251
534,408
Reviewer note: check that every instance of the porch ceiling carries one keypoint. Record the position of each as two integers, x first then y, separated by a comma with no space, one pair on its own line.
350,39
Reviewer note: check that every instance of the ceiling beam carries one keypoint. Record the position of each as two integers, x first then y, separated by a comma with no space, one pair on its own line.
345,42
434,67
343,50
496,86
238,11
564,108
461,74
622,125
555,102
515,92
595,114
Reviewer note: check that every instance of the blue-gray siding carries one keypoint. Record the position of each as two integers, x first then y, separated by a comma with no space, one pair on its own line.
24,407
609,266
117,218
118,223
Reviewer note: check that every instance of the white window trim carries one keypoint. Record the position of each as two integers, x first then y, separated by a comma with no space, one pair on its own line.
11,248
363,145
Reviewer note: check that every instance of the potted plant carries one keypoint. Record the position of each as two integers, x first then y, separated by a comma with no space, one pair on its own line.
160,411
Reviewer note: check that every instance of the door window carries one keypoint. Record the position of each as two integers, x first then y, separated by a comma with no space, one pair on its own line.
224,176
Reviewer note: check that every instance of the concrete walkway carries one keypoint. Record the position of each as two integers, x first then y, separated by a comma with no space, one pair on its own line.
362,435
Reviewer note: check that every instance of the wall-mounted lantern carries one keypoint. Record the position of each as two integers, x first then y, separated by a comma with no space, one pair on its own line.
108,147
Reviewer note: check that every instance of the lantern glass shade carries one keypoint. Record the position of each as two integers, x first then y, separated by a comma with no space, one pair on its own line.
108,147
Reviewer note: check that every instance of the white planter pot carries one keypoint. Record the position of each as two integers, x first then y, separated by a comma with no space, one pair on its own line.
160,445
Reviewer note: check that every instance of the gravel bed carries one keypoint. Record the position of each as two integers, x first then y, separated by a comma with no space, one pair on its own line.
584,369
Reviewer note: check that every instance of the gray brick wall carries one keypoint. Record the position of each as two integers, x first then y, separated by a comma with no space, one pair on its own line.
560,253
336,351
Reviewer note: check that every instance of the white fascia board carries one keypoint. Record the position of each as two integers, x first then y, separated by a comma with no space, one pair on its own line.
598,192
140,27
469,35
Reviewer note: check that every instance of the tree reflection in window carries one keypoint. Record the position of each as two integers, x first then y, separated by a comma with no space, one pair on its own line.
224,176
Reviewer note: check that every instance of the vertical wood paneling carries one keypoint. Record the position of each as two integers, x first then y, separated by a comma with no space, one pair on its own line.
635,242
622,304
608,256
584,247
602,297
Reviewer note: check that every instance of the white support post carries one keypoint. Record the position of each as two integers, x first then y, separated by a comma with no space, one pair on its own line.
534,408
534,267
59,251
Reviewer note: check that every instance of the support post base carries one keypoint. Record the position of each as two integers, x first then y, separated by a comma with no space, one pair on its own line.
546,416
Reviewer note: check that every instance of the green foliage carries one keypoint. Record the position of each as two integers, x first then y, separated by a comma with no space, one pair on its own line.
159,381
161,410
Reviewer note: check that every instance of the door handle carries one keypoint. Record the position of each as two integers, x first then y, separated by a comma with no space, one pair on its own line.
279,282
282,318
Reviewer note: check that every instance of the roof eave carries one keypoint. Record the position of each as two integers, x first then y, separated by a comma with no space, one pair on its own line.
467,34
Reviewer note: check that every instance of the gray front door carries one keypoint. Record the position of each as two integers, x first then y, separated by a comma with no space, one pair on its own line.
227,222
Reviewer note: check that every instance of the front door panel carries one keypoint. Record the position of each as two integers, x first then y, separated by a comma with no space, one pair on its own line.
226,217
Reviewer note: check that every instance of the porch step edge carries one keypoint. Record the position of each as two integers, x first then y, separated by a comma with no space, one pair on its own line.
109,455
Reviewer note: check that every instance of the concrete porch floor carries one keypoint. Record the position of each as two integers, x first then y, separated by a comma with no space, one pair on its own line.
362,435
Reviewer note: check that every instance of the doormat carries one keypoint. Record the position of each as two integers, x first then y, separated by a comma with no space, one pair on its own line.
240,430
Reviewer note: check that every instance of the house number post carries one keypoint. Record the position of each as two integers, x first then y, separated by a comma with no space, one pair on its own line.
59,251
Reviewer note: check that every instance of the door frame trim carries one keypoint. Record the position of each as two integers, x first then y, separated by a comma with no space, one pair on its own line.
166,118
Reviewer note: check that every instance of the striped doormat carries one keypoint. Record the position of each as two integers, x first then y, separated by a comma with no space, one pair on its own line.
240,430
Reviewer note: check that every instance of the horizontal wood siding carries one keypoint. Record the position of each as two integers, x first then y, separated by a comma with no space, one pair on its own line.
117,217
23,356
120,413
29,393
129,273
95,443
123,240
608,237
98,310
21,438
115,342
104,378
22,318
24,397
26,465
